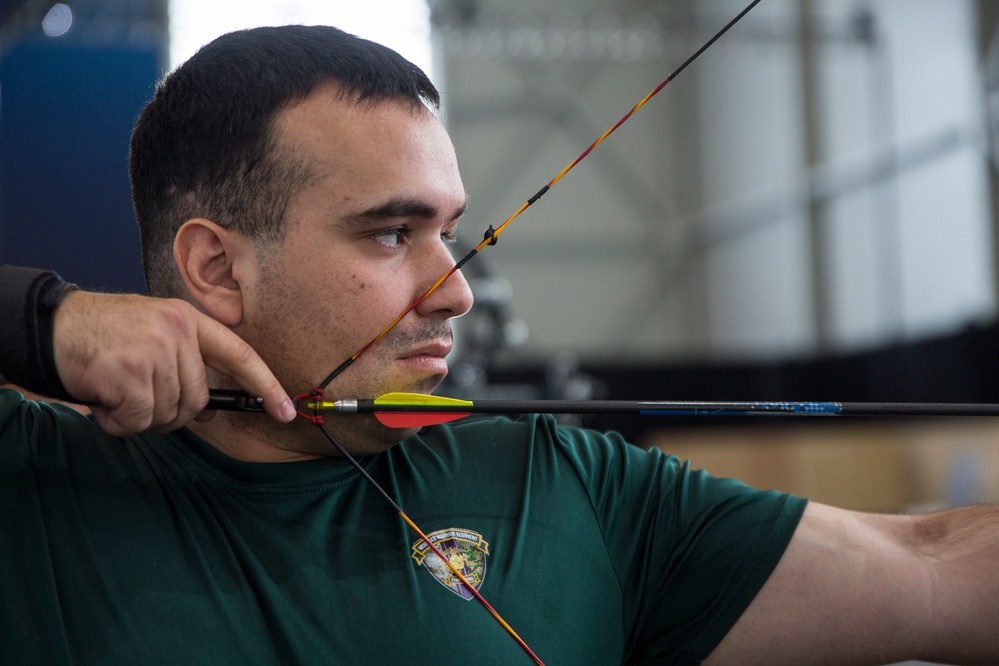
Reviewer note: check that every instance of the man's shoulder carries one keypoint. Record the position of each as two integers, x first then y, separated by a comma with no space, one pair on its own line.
536,439
525,427
54,436
527,431
26,413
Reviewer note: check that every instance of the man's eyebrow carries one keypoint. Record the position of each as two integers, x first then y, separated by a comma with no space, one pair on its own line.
398,209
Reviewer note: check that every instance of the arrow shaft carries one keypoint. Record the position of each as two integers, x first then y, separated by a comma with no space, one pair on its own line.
241,401
674,408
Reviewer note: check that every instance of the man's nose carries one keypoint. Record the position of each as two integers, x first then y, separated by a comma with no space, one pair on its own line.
453,297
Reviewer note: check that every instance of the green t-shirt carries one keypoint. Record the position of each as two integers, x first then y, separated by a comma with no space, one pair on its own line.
162,550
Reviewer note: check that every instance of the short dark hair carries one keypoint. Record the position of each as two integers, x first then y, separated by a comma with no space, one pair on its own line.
205,145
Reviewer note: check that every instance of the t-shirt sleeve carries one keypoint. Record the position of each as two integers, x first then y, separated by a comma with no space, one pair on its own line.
17,427
29,429
690,550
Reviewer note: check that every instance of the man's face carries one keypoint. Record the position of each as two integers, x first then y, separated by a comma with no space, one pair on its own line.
365,239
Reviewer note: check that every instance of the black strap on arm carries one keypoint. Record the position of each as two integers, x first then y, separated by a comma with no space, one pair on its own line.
28,298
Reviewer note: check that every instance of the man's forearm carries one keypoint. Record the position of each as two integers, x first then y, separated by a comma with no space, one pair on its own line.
28,298
960,548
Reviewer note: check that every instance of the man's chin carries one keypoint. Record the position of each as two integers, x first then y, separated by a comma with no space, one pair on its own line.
425,385
363,434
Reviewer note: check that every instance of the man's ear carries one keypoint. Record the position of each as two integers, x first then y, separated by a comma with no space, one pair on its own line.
206,255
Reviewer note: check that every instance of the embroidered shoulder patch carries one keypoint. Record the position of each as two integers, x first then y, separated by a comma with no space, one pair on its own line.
465,550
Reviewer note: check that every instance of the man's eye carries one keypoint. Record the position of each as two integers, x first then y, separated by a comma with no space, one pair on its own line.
390,237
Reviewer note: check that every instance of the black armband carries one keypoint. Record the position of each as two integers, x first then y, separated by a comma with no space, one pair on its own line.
28,298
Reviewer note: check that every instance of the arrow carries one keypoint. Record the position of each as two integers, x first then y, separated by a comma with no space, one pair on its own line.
407,410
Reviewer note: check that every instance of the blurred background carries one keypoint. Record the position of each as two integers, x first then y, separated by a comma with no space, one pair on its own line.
806,213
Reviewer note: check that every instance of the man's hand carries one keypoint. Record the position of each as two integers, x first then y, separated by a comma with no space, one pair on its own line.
140,361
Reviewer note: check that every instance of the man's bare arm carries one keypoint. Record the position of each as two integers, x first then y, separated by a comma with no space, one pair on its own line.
858,588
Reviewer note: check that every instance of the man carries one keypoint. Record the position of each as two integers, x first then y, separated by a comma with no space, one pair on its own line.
295,192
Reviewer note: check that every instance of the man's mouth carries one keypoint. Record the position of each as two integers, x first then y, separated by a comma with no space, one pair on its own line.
428,357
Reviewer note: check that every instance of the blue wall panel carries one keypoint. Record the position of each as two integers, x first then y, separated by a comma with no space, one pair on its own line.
66,113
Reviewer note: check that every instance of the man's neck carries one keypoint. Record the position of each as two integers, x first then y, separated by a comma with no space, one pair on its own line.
258,438
252,441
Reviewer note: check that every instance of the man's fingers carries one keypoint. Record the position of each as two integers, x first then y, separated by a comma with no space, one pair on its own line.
124,418
227,353
143,361
206,415
191,386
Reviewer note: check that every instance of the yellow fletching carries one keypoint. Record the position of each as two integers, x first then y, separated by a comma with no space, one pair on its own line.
400,398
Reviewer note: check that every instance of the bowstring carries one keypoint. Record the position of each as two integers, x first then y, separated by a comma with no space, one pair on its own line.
489,238
425,539
491,235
